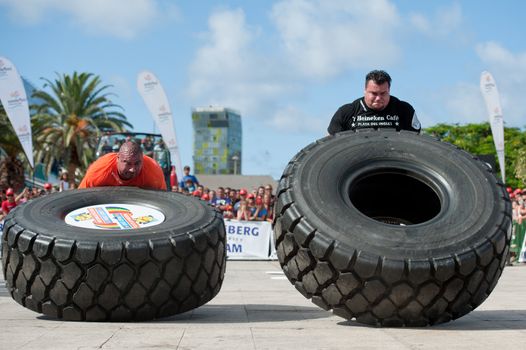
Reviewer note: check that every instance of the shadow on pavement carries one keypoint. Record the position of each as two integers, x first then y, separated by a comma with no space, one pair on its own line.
476,320
242,313
234,313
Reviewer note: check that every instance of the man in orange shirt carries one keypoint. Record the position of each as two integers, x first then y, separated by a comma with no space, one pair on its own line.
128,167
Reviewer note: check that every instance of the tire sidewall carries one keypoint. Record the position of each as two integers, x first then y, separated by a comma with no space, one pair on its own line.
469,200
45,215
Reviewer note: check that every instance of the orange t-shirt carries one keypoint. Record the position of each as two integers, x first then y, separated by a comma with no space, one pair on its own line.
103,172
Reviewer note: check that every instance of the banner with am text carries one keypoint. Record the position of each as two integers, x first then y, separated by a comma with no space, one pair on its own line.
248,240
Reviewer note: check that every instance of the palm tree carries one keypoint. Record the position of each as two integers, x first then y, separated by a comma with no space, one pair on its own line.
11,167
71,118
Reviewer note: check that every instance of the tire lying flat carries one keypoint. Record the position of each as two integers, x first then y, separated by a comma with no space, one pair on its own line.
78,273
391,228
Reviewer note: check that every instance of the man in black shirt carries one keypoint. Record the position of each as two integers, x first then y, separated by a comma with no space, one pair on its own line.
377,109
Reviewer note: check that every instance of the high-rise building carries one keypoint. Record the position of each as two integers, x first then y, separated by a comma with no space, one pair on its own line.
217,140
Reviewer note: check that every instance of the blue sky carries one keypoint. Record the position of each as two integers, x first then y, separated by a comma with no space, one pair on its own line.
285,65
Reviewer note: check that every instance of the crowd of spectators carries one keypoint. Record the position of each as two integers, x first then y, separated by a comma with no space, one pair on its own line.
236,204
10,199
518,202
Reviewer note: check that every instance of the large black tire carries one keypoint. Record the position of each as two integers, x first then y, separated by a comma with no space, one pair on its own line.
391,228
78,273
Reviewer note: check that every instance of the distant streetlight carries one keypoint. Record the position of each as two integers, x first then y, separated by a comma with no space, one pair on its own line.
235,158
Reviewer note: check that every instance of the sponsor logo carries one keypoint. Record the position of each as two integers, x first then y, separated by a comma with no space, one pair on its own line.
234,248
114,217
375,121
4,70
164,114
150,83
489,84
163,117
16,100
242,230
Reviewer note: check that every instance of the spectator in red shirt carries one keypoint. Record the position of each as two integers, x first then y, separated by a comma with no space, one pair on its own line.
10,202
48,188
242,197
267,203
243,212
260,213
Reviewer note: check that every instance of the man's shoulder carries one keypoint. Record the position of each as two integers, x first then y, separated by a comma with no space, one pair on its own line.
112,155
190,177
350,109
354,105
398,103
105,159
150,162
103,162
187,177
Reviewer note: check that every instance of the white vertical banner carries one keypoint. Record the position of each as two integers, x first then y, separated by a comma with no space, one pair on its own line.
153,94
492,99
14,99
522,254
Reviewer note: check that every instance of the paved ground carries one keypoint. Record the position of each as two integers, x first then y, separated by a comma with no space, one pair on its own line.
259,309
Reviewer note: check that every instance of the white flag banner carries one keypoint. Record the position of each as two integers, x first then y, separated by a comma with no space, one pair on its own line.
14,99
155,98
492,98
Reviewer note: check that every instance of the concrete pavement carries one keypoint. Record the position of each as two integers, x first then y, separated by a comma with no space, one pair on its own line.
258,308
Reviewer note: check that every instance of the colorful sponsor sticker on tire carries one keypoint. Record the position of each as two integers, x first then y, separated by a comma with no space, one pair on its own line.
114,217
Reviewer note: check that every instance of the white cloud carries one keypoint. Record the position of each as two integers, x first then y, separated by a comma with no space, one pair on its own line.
464,102
292,119
119,18
320,40
325,38
227,71
444,22
509,71
511,65
29,12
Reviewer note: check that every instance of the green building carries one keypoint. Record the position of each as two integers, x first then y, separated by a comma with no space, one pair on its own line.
217,140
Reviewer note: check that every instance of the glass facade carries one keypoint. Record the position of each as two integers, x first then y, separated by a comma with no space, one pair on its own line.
217,140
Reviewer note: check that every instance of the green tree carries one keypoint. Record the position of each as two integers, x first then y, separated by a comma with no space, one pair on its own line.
477,139
71,118
11,165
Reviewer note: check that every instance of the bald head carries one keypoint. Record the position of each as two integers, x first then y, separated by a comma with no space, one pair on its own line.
129,160
130,147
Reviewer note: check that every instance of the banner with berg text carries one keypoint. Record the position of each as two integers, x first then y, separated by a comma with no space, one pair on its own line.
248,240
